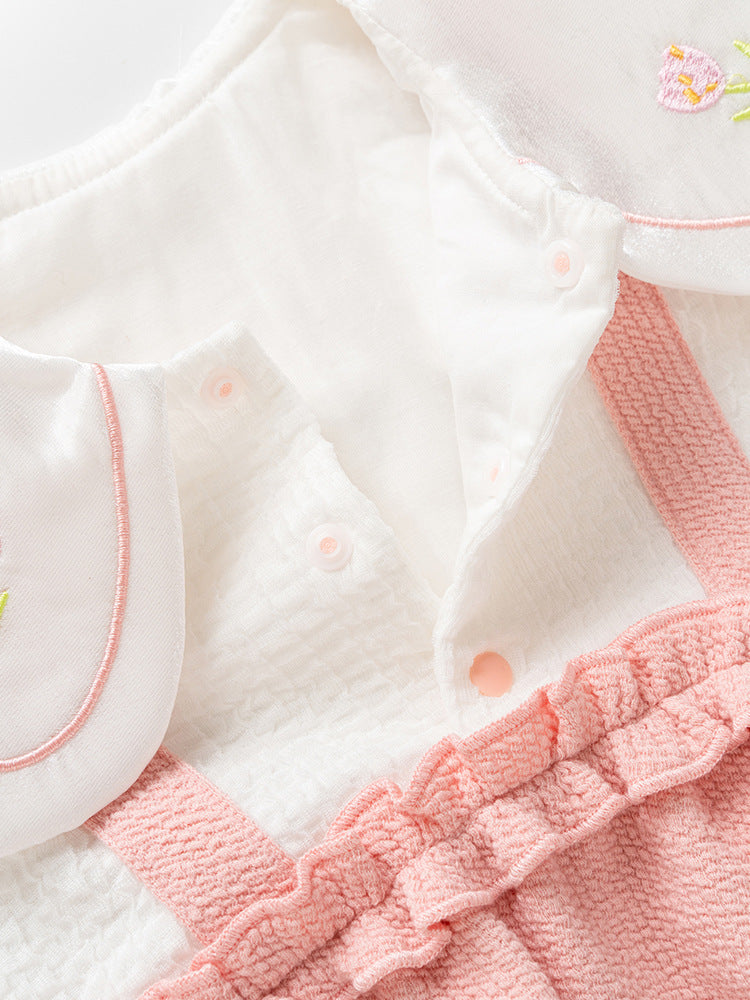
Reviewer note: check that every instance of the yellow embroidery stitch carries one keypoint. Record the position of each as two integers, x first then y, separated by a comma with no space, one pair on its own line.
684,70
3,602
691,95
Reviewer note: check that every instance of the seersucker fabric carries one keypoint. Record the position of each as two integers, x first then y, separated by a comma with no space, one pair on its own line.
498,864
373,527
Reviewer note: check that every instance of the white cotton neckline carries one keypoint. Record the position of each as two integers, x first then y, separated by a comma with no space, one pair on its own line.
170,101
536,206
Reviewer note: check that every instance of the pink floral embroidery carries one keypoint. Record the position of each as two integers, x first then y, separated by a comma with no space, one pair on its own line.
690,79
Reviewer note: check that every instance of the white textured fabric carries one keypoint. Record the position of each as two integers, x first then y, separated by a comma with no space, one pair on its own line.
299,686
374,266
75,924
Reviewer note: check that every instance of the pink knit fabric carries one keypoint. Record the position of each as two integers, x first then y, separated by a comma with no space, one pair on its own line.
678,439
191,846
592,845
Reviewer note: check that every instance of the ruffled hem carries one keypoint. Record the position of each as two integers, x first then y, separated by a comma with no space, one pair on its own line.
657,708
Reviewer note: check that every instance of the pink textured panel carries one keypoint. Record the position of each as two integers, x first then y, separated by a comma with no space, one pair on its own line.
191,846
680,443
492,873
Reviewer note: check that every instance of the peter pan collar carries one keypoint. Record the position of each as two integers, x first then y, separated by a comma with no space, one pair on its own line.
91,577
644,106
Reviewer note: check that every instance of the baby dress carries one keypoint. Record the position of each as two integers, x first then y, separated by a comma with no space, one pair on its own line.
374,553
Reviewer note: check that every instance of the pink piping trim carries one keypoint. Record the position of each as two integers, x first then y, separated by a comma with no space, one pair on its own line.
732,222
121,588
646,220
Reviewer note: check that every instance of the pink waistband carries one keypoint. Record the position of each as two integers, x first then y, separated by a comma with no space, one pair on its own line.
398,898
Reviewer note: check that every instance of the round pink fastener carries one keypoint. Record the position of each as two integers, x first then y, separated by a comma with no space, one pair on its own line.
330,546
491,674
564,263
222,387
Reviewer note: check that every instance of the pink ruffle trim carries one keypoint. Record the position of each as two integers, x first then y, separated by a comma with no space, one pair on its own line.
657,708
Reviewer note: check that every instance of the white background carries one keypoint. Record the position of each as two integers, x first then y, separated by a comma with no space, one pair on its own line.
69,68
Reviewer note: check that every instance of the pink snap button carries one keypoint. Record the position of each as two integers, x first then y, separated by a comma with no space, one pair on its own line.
496,477
330,546
222,387
491,674
561,264
564,263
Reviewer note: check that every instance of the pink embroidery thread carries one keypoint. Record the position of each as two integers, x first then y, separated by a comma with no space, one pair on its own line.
731,222
690,79
736,84
736,222
121,587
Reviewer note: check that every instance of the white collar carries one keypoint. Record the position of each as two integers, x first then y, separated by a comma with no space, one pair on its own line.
602,109
92,628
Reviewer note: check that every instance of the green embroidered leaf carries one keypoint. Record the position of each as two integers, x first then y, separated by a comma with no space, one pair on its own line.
737,85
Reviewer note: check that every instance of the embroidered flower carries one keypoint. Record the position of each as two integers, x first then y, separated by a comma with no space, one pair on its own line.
690,79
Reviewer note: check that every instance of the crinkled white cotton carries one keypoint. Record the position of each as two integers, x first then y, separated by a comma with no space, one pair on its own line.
316,205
